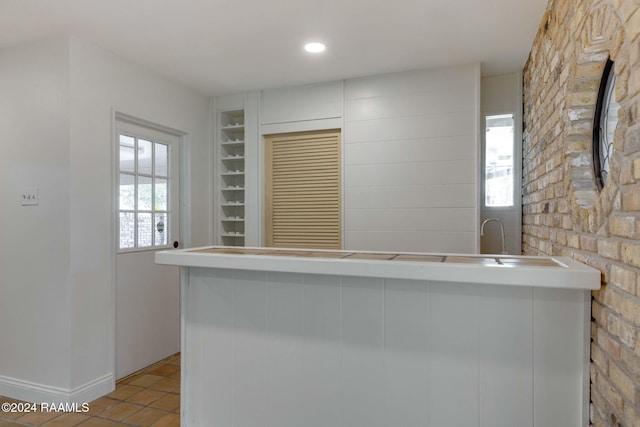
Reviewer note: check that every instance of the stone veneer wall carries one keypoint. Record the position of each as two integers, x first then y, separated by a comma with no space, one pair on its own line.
563,212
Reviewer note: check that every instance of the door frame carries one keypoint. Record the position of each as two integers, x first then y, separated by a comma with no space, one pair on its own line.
184,226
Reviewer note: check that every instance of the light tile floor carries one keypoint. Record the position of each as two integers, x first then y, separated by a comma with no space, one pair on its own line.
147,398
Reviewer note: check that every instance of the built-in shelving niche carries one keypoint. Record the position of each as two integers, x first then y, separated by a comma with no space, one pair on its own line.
232,177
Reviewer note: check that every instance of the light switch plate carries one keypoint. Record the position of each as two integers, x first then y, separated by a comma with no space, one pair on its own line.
29,196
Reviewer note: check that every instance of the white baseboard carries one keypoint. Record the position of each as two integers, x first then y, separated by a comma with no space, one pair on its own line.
39,393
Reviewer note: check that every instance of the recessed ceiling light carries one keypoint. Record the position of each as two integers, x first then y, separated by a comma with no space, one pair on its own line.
314,47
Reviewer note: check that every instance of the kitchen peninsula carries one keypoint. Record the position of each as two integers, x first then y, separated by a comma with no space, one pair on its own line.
282,337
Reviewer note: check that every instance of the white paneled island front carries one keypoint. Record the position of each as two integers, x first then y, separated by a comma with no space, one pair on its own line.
336,338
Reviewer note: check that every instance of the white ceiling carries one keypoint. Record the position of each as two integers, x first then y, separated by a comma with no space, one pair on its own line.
224,46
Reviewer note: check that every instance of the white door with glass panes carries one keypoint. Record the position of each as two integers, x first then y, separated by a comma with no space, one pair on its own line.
148,204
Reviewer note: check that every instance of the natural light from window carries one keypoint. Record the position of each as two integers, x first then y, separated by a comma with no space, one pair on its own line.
499,161
143,198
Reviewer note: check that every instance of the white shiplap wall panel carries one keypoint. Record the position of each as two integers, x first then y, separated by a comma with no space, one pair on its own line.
406,150
411,141
363,361
506,352
322,329
414,173
440,100
406,330
216,382
250,325
408,82
414,126
550,357
453,336
280,349
300,103
413,241
443,196
424,219
285,350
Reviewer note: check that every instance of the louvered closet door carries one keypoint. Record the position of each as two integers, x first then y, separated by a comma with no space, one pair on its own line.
303,197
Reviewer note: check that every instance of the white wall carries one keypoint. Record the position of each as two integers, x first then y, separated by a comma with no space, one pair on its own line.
35,251
411,154
410,161
57,102
280,110
502,95
100,84
301,103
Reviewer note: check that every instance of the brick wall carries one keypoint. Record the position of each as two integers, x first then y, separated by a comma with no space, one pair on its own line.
563,211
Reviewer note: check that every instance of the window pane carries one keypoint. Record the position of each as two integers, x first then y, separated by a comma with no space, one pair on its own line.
162,151
144,193
161,230
608,125
145,225
144,156
127,230
160,195
499,161
127,192
127,153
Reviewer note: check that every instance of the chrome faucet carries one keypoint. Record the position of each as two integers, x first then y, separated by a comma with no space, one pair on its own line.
504,244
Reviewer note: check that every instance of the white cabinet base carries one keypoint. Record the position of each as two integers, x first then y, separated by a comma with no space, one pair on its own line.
293,349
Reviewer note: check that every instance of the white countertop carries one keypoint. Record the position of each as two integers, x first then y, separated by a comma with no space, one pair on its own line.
549,272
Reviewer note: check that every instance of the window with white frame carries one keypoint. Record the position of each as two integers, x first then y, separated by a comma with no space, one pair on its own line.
143,193
499,161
